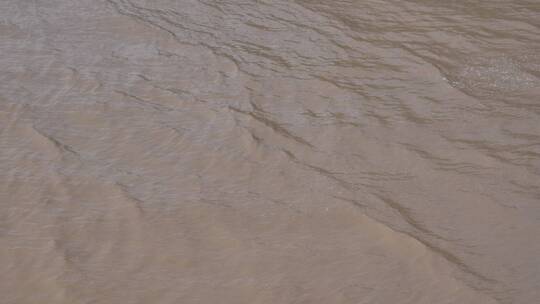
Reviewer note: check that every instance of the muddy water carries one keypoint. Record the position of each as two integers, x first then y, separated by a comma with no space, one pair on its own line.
200,151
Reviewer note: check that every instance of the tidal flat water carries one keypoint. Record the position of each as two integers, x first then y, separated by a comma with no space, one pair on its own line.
269,151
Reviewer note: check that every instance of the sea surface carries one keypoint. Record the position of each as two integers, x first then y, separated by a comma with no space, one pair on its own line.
269,151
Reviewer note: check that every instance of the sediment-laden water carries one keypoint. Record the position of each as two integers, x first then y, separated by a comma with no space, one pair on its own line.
198,151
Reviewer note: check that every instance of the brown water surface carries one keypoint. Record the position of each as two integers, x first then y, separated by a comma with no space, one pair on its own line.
256,151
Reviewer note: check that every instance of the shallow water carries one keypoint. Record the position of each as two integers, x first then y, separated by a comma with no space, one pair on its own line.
197,151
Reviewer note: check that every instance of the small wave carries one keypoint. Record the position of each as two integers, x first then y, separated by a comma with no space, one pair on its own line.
485,76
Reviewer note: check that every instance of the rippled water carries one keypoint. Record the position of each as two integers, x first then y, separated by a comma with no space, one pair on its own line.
199,151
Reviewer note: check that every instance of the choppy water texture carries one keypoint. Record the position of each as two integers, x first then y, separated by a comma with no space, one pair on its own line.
200,151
